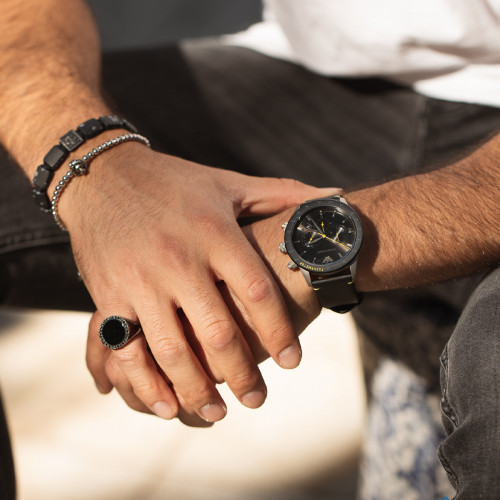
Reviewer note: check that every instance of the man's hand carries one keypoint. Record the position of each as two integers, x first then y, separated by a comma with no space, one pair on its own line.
107,367
154,234
151,233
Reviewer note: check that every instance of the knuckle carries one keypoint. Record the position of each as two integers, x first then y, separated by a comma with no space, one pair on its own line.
128,358
243,379
146,389
259,289
169,351
197,395
220,334
281,334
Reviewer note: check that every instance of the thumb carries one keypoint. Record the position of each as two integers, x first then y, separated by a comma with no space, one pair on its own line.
268,195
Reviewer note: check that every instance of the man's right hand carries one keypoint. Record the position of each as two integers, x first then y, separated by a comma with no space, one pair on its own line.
154,234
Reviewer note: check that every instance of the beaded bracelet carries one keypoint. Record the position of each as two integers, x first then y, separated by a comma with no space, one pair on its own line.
67,143
81,167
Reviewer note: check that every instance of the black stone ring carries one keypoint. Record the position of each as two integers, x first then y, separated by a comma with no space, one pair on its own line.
116,331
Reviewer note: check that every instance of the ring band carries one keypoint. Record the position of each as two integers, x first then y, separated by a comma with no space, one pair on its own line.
116,331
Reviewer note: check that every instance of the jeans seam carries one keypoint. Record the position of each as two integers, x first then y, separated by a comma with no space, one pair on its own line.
23,241
448,469
448,414
446,407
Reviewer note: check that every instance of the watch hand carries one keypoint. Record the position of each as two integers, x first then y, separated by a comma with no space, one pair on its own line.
313,222
337,242
315,233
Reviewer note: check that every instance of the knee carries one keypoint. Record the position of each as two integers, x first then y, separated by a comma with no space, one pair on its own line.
470,403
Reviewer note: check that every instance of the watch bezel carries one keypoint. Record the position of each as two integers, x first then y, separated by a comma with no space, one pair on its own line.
331,267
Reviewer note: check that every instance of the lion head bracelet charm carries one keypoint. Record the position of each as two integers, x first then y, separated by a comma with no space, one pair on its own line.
115,332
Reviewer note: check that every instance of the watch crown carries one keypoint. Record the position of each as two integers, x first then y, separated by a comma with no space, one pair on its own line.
292,265
283,226
283,248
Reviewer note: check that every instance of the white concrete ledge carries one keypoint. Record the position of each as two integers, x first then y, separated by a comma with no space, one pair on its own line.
73,444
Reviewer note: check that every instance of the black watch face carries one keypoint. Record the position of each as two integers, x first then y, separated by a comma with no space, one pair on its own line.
323,235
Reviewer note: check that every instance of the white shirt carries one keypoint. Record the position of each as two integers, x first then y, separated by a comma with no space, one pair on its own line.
448,49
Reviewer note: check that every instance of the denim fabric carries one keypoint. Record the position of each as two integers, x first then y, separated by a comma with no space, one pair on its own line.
236,109
470,404
36,264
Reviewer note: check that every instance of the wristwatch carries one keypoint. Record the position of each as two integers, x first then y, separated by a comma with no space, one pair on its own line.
323,238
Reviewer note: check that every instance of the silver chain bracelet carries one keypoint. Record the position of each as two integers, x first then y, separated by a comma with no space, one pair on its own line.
80,166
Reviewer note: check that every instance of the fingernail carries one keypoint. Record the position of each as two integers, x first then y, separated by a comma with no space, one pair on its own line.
163,410
213,412
290,357
254,399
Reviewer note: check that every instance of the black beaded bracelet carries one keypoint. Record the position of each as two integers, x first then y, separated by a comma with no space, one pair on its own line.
67,143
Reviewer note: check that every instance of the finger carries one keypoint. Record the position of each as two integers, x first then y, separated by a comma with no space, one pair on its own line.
266,195
189,418
147,384
225,348
197,349
192,419
248,330
173,354
123,387
252,283
96,355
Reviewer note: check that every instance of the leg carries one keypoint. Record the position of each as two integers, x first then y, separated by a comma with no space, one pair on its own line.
236,109
470,405
254,114
36,263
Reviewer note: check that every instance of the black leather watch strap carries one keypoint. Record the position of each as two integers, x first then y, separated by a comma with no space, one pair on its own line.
337,292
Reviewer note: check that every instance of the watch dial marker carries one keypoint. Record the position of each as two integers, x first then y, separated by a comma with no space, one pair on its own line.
324,236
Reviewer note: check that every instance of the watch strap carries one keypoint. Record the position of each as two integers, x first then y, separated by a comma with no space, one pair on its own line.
337,292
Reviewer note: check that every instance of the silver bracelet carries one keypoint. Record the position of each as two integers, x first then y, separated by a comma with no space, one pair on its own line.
80,166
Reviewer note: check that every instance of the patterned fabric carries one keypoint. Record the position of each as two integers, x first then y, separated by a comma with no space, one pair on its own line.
403,433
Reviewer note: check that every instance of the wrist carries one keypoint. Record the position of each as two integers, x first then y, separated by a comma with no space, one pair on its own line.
29,138
103,184
266,236
71,143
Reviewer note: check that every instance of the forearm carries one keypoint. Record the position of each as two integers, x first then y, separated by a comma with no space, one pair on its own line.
419,229
433,226
50,71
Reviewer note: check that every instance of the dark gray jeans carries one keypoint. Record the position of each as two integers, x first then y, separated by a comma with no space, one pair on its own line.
470,382
233,108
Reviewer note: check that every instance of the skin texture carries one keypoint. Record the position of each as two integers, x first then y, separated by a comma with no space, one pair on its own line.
151,233
417,230
420,229
265,236
433,226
